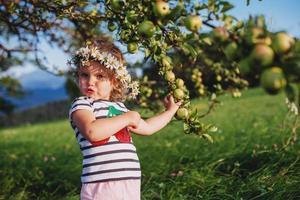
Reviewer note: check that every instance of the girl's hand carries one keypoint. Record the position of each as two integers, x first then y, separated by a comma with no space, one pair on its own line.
170,103
134,128
133,118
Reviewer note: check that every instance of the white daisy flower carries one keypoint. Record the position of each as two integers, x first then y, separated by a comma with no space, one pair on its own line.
84,52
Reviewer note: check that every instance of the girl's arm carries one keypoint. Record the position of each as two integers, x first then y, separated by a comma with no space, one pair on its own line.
154,124
98,129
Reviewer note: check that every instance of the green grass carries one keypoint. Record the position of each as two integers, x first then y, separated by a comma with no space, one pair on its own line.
43,161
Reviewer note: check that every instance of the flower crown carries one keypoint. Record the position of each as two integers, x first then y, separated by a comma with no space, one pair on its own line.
86,54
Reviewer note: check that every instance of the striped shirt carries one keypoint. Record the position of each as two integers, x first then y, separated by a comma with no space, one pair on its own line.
113,160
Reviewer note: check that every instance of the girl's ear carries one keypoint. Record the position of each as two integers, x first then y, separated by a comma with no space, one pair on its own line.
113,83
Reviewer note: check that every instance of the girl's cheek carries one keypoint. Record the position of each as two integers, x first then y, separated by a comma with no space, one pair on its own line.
81,84
82,80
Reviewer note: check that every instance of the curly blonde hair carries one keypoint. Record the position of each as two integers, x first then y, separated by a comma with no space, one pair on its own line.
119,90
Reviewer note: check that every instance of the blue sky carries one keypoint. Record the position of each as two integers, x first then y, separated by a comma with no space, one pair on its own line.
281,15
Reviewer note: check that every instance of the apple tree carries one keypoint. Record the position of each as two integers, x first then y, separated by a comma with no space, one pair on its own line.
230,56
191,48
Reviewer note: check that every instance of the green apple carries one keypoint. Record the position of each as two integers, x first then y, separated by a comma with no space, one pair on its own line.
265,40
273,80
111,26
262,54
179,83
166,63
240,24
146,28
178,94
182,113
161,8
148,92
254,34
231,50
218,78
245,66
201,91
170,76
131,16
193,23
116,4
132,47
282,42
221,33
124,35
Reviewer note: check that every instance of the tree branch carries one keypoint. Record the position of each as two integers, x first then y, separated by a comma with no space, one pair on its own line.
15,49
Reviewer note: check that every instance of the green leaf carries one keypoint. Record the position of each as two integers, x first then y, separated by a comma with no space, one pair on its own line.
186,128
147,52
189,49
208,137
207,41
11,86
211,5
226,6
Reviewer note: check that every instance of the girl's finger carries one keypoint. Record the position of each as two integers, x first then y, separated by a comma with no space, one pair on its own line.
132,127
165,99
168,98
179,103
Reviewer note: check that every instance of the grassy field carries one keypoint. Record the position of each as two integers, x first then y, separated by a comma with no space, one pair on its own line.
246,161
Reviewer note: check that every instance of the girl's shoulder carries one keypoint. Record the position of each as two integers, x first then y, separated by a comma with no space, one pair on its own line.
82,100
81,103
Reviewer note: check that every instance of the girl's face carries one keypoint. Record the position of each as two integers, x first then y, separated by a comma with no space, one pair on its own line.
94,81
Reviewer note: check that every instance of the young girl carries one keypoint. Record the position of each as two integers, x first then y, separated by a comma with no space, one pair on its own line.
101,122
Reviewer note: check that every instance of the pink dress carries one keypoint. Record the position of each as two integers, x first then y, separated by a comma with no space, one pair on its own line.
122,190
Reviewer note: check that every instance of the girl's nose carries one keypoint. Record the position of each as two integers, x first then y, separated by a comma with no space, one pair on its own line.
91,80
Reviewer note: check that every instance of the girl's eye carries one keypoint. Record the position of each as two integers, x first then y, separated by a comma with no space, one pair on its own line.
83,75
99,76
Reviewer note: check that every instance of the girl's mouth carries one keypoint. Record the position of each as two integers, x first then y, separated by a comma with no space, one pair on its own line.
89,91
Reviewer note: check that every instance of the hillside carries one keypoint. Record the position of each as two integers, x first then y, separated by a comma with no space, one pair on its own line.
49,111
39,96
